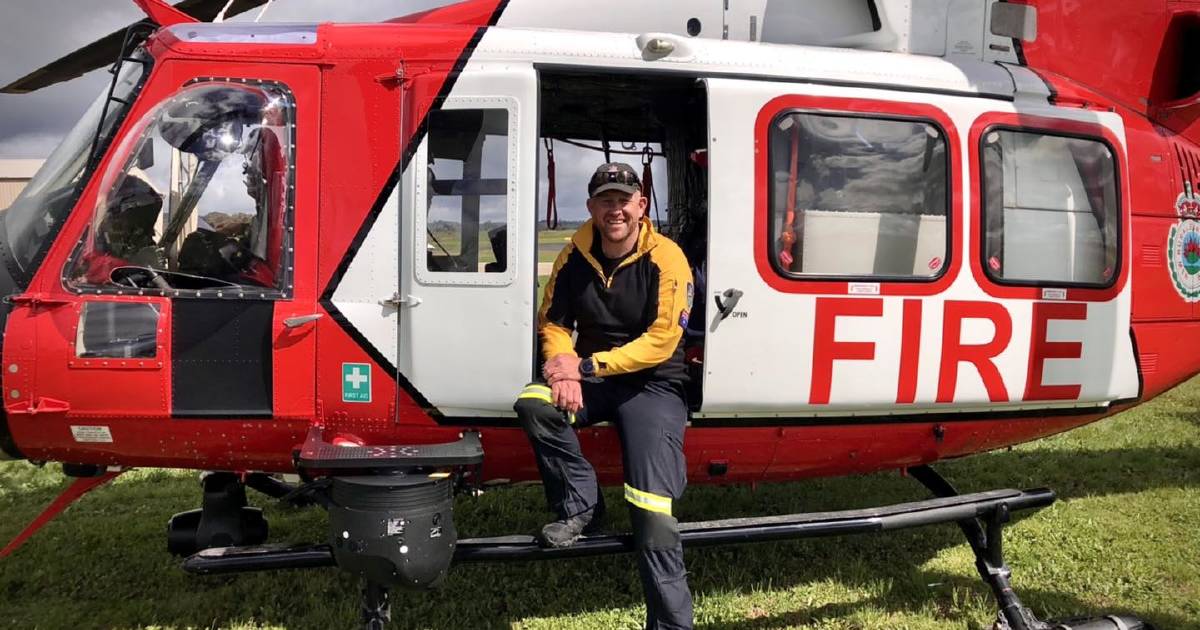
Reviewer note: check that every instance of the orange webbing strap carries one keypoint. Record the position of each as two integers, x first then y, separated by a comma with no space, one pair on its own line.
648,182
551,193
787,236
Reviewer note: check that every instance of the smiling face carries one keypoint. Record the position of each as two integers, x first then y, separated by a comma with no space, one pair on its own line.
617,214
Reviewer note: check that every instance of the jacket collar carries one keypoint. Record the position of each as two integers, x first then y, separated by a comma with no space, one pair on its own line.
585,236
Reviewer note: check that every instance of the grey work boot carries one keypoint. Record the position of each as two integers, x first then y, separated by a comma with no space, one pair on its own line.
565,532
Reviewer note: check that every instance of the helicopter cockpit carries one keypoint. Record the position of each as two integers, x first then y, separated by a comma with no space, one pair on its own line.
199,200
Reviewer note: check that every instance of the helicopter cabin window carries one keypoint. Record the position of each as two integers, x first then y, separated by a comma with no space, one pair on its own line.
856,197
201,205
466,225
1050,209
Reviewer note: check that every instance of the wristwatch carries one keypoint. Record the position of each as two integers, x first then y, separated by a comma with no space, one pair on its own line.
587,368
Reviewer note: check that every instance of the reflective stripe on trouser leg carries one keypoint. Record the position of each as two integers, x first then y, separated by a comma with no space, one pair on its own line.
568,479
647,500
538,391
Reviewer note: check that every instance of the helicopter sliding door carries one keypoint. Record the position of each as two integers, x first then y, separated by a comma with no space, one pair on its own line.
876,252
467,229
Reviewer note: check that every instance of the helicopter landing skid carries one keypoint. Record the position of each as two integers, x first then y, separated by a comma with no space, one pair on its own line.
980,515
983,533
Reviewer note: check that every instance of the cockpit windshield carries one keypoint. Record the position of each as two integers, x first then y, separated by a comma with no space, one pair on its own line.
44,204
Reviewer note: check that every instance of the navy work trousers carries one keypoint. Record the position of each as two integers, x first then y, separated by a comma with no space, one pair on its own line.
650,419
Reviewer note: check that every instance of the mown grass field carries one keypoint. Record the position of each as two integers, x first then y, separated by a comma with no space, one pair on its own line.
549,243
1124,537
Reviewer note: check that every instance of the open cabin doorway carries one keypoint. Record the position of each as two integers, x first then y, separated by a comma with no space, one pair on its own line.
589,118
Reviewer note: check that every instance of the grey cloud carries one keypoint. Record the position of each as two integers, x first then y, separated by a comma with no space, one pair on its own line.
36,32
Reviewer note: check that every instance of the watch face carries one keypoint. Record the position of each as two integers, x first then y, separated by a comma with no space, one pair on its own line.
587,367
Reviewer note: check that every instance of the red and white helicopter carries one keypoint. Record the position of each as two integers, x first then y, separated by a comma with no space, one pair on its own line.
926,230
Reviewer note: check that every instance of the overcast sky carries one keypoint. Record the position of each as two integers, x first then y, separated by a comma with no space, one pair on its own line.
35,32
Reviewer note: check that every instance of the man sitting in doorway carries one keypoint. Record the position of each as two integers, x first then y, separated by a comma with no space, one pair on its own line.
627,291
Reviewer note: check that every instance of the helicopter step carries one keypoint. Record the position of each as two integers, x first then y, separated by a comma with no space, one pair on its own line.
319,454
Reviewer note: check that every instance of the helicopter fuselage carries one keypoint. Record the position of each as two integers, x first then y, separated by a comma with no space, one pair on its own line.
976,254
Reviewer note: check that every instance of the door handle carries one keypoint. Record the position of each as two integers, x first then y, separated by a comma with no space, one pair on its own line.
397,300
725,307
300,320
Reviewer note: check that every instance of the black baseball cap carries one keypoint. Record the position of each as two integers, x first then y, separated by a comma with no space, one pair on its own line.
614,176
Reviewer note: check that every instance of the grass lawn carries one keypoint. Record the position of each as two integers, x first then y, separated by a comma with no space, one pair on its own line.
551,242
1123,538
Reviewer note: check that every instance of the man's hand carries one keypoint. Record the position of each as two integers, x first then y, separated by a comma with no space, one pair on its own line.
567,395
562,367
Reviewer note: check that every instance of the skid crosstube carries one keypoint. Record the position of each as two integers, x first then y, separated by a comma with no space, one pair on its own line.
696,534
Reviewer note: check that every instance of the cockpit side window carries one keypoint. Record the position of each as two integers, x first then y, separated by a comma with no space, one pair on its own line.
200,204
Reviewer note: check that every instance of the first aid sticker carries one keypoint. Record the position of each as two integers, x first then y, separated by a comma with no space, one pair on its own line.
356,382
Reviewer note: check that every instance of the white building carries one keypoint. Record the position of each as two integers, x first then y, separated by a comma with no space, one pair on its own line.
14,174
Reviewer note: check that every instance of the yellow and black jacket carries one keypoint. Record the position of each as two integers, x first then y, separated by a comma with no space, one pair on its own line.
629,322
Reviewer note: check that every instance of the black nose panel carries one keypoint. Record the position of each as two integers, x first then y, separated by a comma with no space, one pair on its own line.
221,359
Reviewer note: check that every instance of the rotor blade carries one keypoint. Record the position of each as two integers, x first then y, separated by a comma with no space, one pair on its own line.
206,10
104,51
